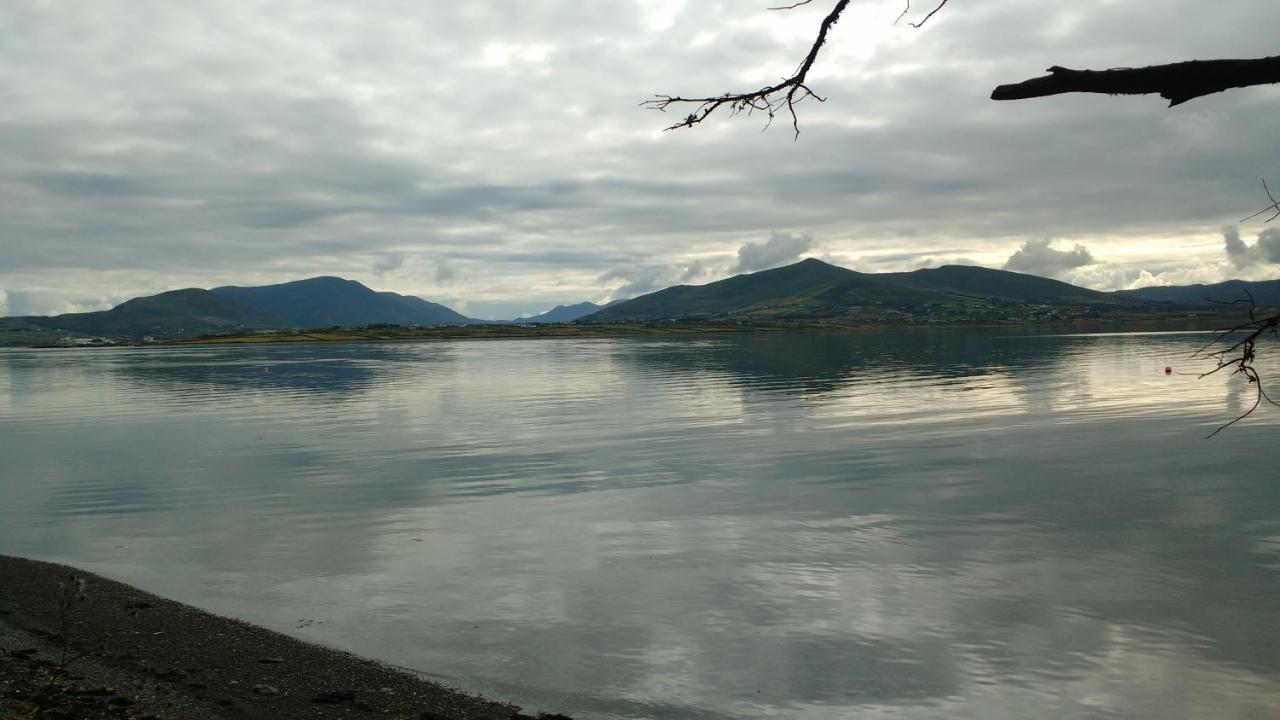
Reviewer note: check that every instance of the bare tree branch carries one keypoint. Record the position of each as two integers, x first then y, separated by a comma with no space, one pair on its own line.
926,17
1175,82
1241,354
770,99
1274,206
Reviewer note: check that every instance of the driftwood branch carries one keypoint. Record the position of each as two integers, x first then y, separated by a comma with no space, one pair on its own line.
1176,82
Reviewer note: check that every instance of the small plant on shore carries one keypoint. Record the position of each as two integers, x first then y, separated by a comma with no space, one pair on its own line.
72,599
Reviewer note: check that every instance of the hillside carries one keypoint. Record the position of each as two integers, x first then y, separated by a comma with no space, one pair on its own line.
330,301
812,289
187,312
561,313
985,282
1266,293
807,289
318,302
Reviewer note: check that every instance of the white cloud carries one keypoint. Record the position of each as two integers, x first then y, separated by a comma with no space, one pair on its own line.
1038,258
779,249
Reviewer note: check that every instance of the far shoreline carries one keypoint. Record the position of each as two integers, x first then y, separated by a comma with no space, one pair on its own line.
1165,321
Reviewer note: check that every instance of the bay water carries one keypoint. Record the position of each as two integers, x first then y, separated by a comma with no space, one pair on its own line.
910,524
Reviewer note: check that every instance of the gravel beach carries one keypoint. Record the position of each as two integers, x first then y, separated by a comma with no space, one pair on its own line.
76,645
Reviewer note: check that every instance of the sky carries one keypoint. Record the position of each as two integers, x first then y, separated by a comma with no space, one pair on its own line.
494,156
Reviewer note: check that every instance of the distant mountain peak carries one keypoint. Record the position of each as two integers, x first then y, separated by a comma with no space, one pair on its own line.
812,289
561,313
327,301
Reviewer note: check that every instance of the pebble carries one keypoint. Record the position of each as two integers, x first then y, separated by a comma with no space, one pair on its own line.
333,697
263,689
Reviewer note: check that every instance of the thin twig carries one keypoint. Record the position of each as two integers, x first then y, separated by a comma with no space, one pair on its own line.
770,99
926,17
1240,355
1275,205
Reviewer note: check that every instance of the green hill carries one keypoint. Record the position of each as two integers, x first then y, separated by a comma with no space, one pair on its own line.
176,313
561,313
1266,293
985,282
812,289
314,303
329,301
807,289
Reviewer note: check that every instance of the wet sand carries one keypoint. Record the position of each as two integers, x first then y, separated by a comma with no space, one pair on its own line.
103,649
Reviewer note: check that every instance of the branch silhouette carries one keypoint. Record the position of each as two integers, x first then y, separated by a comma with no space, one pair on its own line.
783,95
1175,82
1240,355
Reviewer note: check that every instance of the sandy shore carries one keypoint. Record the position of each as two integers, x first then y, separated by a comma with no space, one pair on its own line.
130,654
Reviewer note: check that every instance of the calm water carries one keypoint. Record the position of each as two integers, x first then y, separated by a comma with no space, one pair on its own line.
916,525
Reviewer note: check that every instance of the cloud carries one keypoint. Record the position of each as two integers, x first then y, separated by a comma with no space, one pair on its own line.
637,279
151,154
1235,247
934,262
696,270
1037,258
4,303
43,301
387,264
445,271
1265,251
1269,242
779,249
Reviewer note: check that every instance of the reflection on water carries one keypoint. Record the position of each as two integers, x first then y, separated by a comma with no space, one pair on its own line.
920,525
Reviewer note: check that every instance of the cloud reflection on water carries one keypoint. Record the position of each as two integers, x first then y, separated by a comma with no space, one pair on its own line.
933,524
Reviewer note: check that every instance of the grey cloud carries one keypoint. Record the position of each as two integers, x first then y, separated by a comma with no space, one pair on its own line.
933,262
445,272
1236,249
388,263
779,249
1265,251
1269,243
42,302
323,143
696,270
636,279
888,262
1037,258
85,184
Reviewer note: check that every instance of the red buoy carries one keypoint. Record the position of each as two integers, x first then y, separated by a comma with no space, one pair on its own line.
1168,370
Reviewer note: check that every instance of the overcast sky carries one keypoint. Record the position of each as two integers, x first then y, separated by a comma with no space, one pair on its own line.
491,154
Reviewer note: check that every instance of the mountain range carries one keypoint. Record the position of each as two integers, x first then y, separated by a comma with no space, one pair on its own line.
812,289
330,301
560,313
1266,293
302,304
807,290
